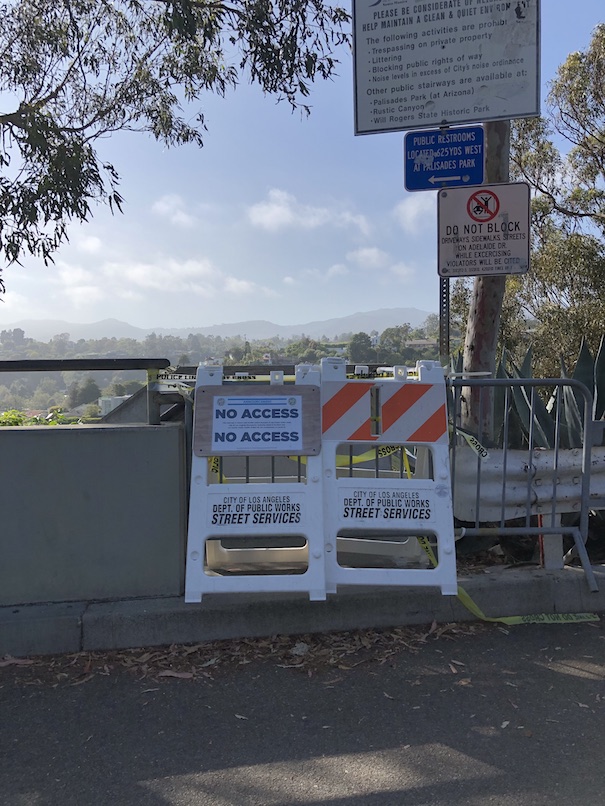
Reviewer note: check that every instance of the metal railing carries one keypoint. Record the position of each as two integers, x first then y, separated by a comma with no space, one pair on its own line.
507,482
150,365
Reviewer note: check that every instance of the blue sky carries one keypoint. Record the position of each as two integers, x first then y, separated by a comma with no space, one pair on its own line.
278,217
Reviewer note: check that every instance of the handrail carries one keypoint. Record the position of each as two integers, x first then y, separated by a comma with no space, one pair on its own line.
74,364
151,365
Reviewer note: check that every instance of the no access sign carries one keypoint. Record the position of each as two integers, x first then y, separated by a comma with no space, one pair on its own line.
484,230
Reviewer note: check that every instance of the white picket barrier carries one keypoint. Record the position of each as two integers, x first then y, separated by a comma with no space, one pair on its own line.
291,527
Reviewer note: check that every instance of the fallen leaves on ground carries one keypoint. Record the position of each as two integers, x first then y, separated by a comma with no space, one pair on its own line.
312,653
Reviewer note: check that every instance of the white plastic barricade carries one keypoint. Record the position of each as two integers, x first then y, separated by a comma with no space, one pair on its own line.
323,482
280,510
408,411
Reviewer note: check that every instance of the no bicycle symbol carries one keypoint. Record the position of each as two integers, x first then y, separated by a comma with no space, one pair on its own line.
483,205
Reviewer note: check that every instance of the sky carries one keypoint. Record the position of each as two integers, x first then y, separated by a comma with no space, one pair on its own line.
279,217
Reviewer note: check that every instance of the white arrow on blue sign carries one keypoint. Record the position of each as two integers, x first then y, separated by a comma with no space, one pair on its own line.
439,158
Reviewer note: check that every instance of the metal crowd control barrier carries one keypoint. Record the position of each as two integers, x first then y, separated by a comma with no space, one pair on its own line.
525,482
301,486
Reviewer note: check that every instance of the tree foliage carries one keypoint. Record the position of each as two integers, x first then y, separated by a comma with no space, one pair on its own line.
74,71
569,181
562,157
86,392
361,349
394,339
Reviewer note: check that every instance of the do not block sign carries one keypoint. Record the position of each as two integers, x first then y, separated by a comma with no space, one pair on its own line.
484,230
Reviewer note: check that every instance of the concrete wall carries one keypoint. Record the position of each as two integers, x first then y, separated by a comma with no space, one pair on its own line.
91,512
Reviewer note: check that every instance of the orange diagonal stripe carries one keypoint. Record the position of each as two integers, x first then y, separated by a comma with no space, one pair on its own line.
364,431
434,428
401,401
341,402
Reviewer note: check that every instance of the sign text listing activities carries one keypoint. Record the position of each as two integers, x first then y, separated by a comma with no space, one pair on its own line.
421,64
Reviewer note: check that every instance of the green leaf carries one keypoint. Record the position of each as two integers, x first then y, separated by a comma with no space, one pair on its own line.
572,419
585,367
599,382
525,369
499,401
540,425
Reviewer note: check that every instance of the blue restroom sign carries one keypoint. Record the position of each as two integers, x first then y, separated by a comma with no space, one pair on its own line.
438,158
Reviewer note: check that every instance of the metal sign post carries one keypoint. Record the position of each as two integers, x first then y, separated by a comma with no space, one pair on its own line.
444,320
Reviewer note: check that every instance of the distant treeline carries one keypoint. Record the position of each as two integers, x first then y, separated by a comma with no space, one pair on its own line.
40,391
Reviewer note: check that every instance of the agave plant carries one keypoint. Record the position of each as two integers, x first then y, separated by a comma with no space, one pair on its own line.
533,415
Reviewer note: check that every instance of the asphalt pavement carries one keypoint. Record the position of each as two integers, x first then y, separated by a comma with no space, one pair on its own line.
453,714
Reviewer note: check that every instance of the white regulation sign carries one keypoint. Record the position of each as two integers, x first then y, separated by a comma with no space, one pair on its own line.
387,505
255,510
484,230
444,62
255,424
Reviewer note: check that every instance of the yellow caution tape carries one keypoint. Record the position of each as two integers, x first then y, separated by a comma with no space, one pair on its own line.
473,443
344,461
540,618
214,466
341,461
425,544
380,451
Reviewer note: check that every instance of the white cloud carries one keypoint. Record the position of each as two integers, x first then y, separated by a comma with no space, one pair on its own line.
416,213
168,275
71,275
79,285
84,295
240,287
172,206
134,280
356,220
369,258
89,244
403,271
282,210
16,306
337,270
325,275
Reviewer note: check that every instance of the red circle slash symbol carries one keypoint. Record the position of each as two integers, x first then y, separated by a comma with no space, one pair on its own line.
483,205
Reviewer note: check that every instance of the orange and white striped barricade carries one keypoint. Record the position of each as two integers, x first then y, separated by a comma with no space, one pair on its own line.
239,428
404,414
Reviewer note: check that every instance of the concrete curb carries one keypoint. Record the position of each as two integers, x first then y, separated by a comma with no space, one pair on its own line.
76,626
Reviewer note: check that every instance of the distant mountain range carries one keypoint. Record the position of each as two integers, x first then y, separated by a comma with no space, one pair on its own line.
45,329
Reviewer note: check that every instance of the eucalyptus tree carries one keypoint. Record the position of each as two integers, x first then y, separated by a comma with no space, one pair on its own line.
562,157
75,71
